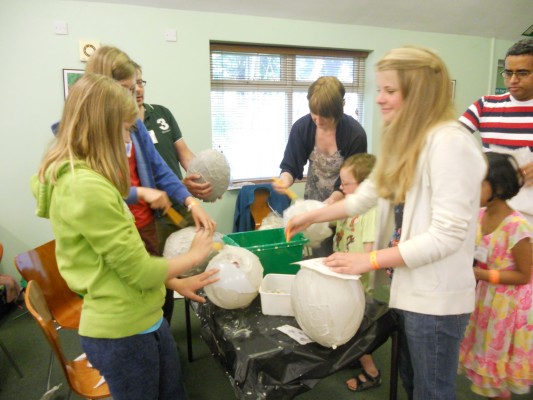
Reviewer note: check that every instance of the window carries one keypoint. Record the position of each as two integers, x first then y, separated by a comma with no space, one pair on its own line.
258,92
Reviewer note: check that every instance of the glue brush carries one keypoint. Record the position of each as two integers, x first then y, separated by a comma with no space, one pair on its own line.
176,218
290,193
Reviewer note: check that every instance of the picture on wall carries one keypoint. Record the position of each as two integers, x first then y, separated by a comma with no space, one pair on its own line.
70,76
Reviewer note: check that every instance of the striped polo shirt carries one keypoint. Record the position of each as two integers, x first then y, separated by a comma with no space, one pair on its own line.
501,120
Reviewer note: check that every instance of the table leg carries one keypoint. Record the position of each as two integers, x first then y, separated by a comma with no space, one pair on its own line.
188,329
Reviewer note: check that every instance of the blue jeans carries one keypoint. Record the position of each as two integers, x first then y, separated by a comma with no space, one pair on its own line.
429,354
143,367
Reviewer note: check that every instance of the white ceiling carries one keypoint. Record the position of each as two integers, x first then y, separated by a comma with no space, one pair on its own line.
500,19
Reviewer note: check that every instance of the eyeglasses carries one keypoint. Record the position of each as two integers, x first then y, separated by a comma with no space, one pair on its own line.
521,73
141,83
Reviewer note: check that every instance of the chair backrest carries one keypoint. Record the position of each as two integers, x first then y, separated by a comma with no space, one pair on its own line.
40,265
253,199
260,208
81,378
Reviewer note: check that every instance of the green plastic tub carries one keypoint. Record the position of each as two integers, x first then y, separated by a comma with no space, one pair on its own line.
275,254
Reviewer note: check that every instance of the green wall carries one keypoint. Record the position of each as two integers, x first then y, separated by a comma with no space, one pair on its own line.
178,77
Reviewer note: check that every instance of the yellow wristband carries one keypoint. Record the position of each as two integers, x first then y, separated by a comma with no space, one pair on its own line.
191,205
374,260
494,276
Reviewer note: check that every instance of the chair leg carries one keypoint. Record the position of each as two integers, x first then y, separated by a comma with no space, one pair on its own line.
11,360
188,329
50,365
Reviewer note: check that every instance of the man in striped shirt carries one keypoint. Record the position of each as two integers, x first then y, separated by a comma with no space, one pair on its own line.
507,120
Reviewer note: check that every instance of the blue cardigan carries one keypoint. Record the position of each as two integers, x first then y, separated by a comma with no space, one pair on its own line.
153,171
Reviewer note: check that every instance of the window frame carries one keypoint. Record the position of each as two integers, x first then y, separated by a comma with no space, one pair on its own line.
288,80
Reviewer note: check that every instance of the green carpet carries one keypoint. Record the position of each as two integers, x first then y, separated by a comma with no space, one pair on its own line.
205,378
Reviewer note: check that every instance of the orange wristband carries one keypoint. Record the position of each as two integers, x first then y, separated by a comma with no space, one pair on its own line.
374,260
494,276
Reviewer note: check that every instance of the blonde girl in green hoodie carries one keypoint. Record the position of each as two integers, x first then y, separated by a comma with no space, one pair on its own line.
80,187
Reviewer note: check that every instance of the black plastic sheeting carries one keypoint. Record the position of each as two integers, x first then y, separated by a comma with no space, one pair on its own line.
264,363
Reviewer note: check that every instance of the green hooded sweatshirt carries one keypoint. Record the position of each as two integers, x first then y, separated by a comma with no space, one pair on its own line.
100,253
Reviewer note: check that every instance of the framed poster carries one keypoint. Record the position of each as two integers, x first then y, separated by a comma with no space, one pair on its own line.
69,77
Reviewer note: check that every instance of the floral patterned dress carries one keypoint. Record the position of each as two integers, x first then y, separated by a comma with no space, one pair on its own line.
497,350
322,174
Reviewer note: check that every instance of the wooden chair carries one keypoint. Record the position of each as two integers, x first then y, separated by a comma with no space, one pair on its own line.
260,208
82,379
40,265
2,346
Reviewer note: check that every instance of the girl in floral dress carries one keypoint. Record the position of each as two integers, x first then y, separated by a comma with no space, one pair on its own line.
497,351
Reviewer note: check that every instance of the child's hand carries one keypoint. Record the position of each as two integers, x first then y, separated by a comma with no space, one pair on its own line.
188,286
527,171
201,245
296,224
157,199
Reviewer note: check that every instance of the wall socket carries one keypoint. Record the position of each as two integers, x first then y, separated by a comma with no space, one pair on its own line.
171,35
60,27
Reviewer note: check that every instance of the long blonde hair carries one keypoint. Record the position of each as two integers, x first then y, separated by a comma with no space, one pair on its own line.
111,62
91,129
425,87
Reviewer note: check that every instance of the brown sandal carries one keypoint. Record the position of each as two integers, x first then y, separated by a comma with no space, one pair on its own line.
369,382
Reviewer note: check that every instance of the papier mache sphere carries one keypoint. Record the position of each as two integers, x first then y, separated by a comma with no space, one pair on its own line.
316,233
214,168
240,275
179,243
328,309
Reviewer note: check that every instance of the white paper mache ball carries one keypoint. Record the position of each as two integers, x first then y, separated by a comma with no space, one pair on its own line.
240,275
179,243
328,309
214,168
316,233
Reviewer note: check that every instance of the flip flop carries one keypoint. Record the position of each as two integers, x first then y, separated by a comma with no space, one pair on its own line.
369,383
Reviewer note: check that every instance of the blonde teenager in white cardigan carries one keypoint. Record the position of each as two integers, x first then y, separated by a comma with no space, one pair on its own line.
432,166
